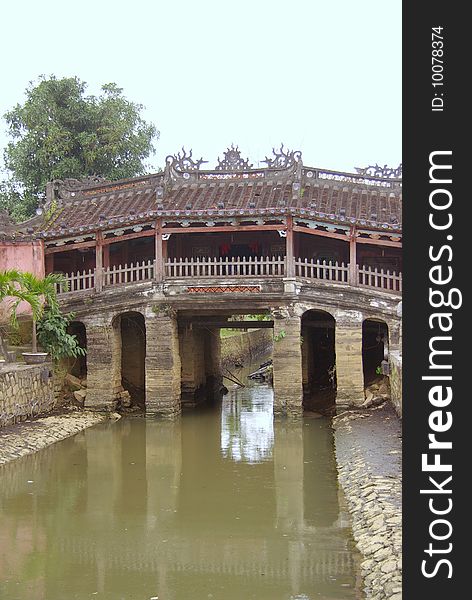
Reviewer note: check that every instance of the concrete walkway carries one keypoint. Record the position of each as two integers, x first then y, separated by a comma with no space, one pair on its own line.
368,453
32,435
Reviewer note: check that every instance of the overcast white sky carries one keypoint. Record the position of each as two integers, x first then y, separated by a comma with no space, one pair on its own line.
324,77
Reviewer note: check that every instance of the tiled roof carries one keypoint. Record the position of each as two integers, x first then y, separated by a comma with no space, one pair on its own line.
333,203
326,196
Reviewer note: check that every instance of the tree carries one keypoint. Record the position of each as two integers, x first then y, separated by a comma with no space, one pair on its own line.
60,132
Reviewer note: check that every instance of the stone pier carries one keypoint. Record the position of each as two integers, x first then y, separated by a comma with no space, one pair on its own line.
287,364
103,365
349,371
163,366
192,355
213,372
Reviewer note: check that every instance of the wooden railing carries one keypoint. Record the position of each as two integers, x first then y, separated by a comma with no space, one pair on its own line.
227,268
79,281
330,271
133,273
379,278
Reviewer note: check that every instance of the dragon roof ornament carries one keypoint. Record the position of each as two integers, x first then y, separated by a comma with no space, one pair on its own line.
232,161
378,171
283,159
184,162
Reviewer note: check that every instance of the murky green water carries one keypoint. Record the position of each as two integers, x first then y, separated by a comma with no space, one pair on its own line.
224,504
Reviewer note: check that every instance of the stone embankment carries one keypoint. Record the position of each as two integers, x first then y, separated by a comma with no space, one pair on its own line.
32,435
368,453
244,347
25,390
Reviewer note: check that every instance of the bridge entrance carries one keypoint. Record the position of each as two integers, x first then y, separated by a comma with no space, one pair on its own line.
78,366
133,352
211,350
318,360
374,348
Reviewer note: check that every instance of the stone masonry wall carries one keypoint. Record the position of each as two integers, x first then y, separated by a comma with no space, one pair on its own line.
246,346
396,380
25,390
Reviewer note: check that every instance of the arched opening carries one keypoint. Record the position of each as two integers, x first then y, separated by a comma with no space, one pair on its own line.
318,360
374,350
133,354
78,366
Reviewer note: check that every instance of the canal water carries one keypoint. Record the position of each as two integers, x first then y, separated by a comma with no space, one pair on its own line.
223,504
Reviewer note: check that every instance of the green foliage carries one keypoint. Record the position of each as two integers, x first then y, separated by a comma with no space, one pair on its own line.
20,206
53,336
280,336
40,293
60,132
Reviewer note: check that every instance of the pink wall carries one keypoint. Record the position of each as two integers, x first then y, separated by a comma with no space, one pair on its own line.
23,256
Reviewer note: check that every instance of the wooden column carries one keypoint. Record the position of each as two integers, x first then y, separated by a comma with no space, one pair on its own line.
99,262
353,258
290,249
159,262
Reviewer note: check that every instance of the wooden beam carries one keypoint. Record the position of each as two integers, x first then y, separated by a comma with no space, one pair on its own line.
318,232
90,244
128,236
360,240
223,228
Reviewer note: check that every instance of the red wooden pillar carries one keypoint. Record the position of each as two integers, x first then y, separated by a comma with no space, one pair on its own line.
289,253
159,262
99,262
353,258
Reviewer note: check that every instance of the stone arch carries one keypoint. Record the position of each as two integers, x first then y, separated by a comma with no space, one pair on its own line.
318,332
78,366
375,347
129,333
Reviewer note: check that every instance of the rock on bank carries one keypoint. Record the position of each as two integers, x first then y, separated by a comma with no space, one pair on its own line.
368,453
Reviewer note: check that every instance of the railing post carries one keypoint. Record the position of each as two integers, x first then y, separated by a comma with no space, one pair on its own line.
353,259
159,262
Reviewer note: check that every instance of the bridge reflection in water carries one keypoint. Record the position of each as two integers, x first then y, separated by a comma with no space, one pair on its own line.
227,503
